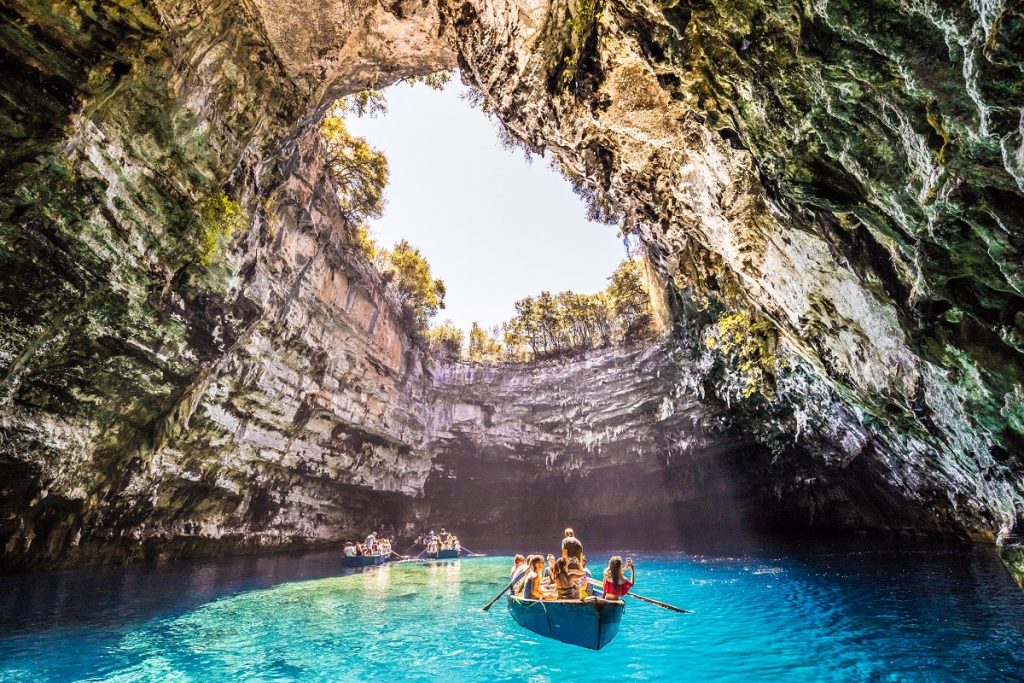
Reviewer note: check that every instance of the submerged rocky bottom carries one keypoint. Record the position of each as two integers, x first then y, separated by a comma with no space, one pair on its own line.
825,613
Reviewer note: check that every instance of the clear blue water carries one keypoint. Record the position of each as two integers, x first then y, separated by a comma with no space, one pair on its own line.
844,614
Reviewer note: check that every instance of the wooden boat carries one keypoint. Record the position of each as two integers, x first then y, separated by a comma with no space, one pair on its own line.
591,623
447,554
364,560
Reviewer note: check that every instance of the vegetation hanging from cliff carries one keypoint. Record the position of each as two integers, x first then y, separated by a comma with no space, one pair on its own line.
746,342
445,340
220,219
360,171
422,294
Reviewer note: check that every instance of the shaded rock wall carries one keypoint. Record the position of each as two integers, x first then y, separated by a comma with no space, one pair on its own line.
638,442
618,436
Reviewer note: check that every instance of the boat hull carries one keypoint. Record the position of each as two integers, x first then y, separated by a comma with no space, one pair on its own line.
364,560
591,624
443,555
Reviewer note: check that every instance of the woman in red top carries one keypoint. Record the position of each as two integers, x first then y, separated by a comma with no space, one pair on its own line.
615,583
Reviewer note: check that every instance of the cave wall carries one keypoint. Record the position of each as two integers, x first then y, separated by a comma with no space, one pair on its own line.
152,401
618,438
856,166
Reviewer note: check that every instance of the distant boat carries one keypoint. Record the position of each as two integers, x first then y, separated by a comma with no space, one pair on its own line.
446,554
591,624
364,560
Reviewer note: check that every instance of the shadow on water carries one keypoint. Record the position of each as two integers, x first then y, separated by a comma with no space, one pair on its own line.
120,594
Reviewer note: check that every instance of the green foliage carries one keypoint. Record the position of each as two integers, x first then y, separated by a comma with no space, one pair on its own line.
631,301
577,29
372,102
550,325
220,219
360,171
445,340
422,293
483,345
435,81
746,342
753,344
365,244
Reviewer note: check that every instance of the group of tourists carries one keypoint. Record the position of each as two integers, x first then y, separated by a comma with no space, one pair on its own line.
442,541
567,577
373,545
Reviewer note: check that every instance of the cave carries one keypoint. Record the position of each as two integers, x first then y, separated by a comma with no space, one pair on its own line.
838,185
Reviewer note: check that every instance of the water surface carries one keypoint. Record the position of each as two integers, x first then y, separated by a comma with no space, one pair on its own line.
809,615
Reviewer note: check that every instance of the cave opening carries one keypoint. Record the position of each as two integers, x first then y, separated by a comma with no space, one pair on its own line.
515,265
473,212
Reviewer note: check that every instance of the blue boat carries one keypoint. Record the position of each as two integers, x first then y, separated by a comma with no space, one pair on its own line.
364,560
586,623
448,554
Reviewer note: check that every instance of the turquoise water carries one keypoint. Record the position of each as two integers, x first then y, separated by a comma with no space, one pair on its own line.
843,615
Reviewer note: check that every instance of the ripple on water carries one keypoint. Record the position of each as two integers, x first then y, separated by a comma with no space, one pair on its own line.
827,617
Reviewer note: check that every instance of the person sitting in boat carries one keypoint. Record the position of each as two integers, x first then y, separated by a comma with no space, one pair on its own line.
571,546
532,586
615,583
517,565
549,573
349,549
566,587
456,544
519,576
579,575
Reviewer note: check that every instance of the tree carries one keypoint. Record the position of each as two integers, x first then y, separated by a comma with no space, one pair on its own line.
422,293
631,301
445,340
483,345
360,171
364,243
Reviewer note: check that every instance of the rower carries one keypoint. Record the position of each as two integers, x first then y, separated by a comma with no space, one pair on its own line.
571,546
531,589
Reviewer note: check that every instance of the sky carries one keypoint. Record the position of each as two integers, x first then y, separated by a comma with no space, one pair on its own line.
494,227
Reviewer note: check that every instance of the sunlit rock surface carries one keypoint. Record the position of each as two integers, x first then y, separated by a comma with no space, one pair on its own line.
858,167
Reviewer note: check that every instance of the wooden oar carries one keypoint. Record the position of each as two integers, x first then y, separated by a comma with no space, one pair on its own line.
659,603
498,597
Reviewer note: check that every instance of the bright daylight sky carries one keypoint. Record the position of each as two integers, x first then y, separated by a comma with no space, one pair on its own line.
493,227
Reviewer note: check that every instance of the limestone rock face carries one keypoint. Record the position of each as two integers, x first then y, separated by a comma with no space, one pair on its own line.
856,168
525,448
